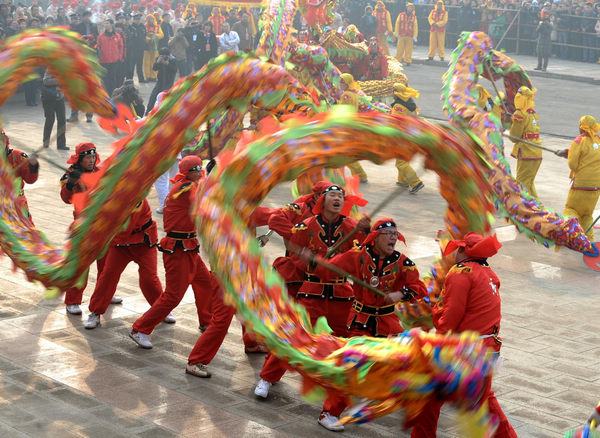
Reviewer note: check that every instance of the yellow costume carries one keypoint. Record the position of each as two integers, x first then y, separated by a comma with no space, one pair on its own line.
438,18
525,125
584,162
384,25
153,34
406,29
405,106
486,103
350,97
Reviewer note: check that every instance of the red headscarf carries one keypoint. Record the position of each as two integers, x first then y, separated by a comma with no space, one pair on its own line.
317,189
80,151
378,227
475,245
186,165
349,200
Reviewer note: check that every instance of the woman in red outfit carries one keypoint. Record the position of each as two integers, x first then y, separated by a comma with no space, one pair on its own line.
180,247
137,243
470,301
25,167
84,160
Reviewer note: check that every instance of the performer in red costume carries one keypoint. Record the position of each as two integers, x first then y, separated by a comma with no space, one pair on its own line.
470,301
375,262
377,67
84,160
210,341
330,298
25,167
137,243
183,265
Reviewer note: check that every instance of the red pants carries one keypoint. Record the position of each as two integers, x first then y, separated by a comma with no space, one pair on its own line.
210,341
426,422
336,313
74,295
204,303
116,261
182,268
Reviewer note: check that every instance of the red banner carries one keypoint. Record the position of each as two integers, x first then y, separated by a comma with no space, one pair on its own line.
232,3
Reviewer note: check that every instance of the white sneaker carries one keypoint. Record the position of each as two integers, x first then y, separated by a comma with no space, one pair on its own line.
74,309
330,422
116,300
159,210
141,339
262,388
198,370
92,322
170,319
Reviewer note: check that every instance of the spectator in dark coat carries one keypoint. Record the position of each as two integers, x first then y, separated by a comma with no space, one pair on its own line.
207,46
368,23
166,69
544,41
136,44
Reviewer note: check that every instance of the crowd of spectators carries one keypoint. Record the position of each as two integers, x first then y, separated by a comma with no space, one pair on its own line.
513,26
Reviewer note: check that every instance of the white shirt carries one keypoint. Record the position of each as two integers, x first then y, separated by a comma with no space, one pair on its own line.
229,42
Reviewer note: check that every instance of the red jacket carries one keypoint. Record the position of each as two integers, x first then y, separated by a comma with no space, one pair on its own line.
178,223
67,191
316,234
282,221
110,48
377,67
141,229
470,300
392,273
25,171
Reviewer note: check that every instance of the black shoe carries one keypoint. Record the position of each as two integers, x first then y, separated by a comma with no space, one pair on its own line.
429,59
88,120
62,148
538,68
73,120
442,59
415,189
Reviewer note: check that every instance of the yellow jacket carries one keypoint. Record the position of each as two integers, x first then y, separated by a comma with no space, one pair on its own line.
584,162
350,97
525,125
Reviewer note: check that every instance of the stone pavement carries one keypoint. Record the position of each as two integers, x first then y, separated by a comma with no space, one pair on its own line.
59,380
557,68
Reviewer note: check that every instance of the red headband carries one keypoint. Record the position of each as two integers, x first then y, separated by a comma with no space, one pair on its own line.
349,200
378,227
475,246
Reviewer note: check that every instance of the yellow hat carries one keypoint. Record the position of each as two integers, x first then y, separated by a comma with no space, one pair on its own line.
588,125
349,80
403,92
524,98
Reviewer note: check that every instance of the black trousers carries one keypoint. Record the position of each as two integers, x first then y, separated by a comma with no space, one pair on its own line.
54,109
136,60
110,76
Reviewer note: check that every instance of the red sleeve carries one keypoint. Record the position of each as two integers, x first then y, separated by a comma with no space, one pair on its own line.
260,217
24,170
282,220
411,280
66,194
299,238
454,301
347,261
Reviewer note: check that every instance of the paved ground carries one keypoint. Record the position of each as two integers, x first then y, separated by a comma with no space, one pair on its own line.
57,379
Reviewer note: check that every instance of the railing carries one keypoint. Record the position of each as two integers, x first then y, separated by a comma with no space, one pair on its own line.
516,32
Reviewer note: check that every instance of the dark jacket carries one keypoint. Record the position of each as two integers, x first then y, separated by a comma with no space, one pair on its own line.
165,76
